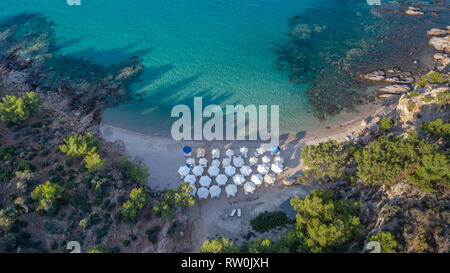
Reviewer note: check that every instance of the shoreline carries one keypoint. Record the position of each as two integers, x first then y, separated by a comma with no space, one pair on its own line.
163,154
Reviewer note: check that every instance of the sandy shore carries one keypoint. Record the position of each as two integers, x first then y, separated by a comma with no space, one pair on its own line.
210,218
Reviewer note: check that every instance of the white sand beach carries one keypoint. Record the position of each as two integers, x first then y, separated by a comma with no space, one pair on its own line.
210,218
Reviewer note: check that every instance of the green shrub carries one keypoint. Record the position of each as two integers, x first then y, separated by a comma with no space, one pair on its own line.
9,215
269,220
76,145
433,169
437,128
386,240
46,194
413,94
220,245
261,245
134,172
172,200
443,98
434,77
13,109
101,249
324,224
131,208
325,162
152,234
386,159
385,124
93,161
427,99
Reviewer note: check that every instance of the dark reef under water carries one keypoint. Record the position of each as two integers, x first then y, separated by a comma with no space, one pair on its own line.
327,48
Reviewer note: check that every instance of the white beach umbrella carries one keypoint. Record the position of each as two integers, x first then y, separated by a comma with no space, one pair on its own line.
278,159
262,169
213,171
205,181
226,162
198,170
238,179
200,152
191,179
238,161
260,151
269,179
246,170
221,179
190,161
277,168
215,162
183,171
215,191
215,153
229,153
230,170
253,161
193,190
231,190
244,151
265,159
203,193
257,179
249,187
203,162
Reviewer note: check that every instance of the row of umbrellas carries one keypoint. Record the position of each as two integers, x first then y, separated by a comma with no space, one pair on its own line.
256,179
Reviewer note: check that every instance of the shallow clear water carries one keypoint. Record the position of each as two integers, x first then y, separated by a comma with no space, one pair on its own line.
222,50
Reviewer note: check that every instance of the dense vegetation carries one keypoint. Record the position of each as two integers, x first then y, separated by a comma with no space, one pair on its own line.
386,240
134,172
130,209
173,200
269,220
14,109
437,128
434,77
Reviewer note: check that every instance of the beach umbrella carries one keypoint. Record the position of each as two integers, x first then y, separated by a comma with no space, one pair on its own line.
246,170
215,153
213,171
275,149
187,150
231,190
238,179
197,170
193,190
229,153
260,151
262,169
277,168
249,187
265,159
183,171
278,159
230,170
205,181
215,191
269,179
203,193
221,179
215,162
244,151
190,162
191,179
200,152
203,162
226,162
257,179
238,161
253,161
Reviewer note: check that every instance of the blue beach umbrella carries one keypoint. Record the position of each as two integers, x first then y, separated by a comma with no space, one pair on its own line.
276,149
187,149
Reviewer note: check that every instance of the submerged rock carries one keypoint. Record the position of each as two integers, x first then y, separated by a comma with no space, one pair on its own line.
394,89
412,11
440,43
438,32
301,32
441,60
374,76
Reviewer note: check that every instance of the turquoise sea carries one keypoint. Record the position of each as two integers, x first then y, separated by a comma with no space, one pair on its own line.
222,50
